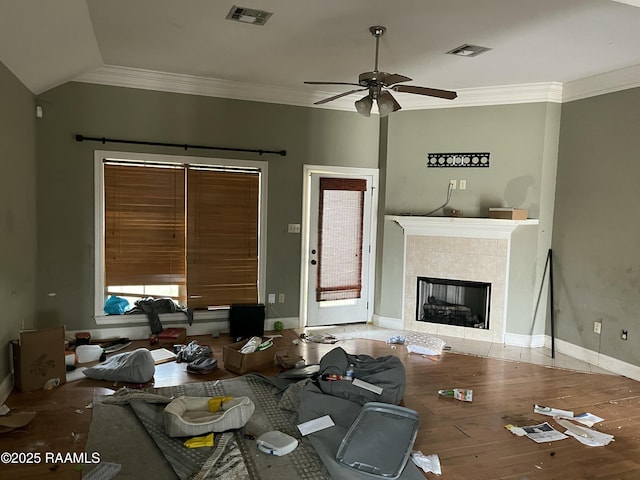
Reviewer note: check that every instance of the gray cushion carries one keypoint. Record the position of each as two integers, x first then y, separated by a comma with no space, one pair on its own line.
130,367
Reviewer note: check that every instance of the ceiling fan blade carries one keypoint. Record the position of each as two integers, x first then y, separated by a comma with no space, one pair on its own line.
333,83
393,78
396,105
431,92
340,95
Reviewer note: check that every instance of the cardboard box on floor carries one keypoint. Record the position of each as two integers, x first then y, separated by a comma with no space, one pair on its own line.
38,356
242,363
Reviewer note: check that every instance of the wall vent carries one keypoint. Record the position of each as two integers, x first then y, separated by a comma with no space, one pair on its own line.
248,15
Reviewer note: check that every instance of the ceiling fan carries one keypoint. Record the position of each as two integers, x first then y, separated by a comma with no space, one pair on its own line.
379,83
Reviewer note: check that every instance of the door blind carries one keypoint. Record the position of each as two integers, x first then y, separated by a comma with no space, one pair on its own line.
340,229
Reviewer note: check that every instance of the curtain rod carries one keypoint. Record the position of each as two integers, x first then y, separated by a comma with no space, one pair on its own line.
82,138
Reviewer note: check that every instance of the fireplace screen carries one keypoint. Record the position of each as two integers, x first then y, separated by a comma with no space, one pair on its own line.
453,302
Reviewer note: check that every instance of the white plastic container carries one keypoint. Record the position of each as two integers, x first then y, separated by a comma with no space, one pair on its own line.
88,353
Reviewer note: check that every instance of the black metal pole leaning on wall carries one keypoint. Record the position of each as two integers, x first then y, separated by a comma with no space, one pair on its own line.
552,314
82,138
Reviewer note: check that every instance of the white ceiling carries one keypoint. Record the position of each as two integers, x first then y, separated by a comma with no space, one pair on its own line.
537,46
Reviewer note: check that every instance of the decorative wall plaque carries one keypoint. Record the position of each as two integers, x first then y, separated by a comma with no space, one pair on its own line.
458,160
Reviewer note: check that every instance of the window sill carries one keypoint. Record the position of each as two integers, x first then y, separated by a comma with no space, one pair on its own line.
178,318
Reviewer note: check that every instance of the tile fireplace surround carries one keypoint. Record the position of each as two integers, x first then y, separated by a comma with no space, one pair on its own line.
474,249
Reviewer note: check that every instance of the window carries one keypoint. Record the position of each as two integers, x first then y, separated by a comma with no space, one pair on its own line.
187,228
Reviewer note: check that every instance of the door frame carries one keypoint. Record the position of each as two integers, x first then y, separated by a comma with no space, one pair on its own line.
307,170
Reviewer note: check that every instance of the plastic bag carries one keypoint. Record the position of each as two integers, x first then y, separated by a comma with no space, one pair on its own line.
116,305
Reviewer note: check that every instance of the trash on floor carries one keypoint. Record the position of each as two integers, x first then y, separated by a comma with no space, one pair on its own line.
543,433
319,338
584,435
12,421
519,431
428,463
552,412
462,394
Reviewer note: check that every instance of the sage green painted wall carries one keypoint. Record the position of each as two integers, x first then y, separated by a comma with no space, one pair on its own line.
522,140
17,212
596,236
65,182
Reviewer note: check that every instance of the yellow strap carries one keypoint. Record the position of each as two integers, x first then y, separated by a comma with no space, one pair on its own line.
197,442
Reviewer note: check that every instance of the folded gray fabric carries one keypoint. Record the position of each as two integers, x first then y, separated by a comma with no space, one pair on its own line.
129,367
126,395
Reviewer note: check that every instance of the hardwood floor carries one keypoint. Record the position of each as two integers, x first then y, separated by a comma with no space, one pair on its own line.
469,438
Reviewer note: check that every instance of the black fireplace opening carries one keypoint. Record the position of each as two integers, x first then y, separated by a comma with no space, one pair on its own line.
446,301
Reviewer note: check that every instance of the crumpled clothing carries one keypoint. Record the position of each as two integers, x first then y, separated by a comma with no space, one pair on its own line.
152,308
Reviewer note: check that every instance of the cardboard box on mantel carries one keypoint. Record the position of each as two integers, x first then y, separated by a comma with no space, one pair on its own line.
508,213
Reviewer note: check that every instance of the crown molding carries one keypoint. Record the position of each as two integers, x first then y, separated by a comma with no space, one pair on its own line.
608,82
553,92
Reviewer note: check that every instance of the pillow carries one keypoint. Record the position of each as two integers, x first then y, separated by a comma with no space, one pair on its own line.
130,367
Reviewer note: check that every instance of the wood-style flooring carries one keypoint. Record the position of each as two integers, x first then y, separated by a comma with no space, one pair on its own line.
470,439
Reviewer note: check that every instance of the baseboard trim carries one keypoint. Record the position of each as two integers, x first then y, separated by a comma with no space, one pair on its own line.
594,358
388,322
529,341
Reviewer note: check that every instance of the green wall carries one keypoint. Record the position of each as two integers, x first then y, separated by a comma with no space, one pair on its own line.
17,212
596,235
65,175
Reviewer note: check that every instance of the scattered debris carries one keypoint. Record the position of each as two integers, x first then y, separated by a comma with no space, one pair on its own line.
12,421
552,412
462,394
428,463
543,433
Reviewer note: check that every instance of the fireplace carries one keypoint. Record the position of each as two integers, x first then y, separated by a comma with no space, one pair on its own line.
469,251
447,301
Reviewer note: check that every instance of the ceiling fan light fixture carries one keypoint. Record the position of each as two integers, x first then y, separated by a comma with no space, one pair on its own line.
386,104
363,106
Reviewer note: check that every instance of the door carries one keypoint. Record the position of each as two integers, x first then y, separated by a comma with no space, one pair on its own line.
339,248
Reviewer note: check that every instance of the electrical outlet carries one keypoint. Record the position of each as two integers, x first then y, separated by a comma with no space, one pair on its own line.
597,327
453,184
463,184
281,298
272,298
293,228
624,335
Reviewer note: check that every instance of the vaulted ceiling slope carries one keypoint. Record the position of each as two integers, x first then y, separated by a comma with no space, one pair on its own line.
553,50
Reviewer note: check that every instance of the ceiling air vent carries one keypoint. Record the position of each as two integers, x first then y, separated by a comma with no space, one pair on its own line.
467,50
248,15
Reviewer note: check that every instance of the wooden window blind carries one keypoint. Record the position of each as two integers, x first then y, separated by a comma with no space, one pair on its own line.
192,227
340,227
222,237
144,225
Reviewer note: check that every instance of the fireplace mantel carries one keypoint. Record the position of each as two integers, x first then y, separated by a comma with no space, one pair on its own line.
459,226
457,248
